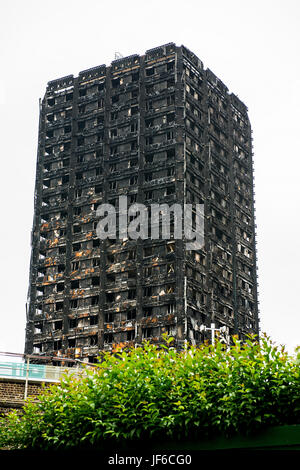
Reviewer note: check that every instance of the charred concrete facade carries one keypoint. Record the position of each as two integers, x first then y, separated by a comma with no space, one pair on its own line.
156,128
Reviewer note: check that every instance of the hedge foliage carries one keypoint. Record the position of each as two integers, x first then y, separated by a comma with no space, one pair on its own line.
160,393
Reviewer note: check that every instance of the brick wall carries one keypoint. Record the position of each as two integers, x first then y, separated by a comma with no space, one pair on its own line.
12,393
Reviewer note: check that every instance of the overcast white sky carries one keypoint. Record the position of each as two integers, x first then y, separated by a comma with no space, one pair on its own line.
253,47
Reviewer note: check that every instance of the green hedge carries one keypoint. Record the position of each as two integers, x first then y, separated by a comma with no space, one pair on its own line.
159,393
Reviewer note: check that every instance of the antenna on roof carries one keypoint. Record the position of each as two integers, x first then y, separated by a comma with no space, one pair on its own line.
118,55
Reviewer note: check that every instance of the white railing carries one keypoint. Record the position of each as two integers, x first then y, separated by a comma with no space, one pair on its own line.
39,372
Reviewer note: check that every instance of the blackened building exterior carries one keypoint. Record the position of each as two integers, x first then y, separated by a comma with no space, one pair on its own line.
156,128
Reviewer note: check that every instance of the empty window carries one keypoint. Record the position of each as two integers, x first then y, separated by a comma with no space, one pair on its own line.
150,71
96,243
37,348
131,294
110,258
148,251
101,86
134,127
60,287
130,335
110,296
133,110
132,163
74,303
170,154
40,289
171,308
92,359
170,268
73,322
132,254
51,101
170,135
148,271
59,306
57,344
49,134
76,228
149,140
38,328
77,211
132,274
148,291
95,281
81,125
108,338
115,82
148,195
95,300
131,314
132,198
93,340
133,180
111,277
170,100
147,311
170,190
148,177
57,325
71,342
147,332
94,320
61,250
133,145
109,317
170,289
149,158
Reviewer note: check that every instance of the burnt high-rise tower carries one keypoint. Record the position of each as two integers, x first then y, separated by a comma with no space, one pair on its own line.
156,128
